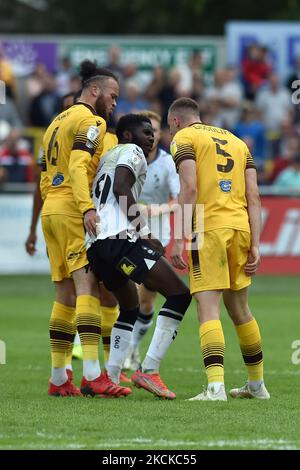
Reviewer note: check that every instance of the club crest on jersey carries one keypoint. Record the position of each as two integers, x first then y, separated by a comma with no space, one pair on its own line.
58,179
225,186
92,133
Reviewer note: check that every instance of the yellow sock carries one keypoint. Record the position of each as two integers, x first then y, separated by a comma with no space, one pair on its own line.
109,316
212,344
250,343
88,321
61,333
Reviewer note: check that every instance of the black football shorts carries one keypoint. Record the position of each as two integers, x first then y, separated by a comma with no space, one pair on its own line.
115,261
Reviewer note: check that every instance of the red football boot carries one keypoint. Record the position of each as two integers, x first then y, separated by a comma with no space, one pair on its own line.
67,389
152,383
124,378
103,387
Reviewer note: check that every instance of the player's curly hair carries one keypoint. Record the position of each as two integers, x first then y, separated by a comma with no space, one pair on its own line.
129,122
89,71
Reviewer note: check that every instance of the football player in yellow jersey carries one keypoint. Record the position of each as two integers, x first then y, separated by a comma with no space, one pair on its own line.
109,305
30,244
72,146
218,180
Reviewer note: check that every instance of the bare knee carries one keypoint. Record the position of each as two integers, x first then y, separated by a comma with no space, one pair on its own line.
237,308
146,306
65,292
107,298
127,296
208,305
147,299
85,283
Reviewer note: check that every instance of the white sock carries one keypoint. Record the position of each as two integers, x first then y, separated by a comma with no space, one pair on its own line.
214,387
164,333
255,384
91,369
140,329
59,376
119,345
77,338
114,373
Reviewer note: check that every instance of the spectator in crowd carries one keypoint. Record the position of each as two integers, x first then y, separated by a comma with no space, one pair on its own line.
295,75
9,114
7,74
250,128
210,110
290,177
132,102
75,84
293,85
46,105
162,90
255,70
114,62
34,83
280,163
190,83
275,104
16,158
3,174
64,75
228,92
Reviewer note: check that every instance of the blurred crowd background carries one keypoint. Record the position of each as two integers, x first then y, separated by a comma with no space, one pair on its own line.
250,99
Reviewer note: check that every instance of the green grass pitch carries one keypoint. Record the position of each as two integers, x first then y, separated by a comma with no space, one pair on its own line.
29,419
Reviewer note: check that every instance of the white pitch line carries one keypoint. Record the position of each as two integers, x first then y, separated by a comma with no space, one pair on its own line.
280,444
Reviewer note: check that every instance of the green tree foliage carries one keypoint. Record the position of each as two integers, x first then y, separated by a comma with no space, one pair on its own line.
188,17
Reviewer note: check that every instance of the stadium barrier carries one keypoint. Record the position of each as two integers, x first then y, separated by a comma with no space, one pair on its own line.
280,239
280,236
15,216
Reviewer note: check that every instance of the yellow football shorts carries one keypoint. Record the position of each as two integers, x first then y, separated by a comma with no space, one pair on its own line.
65,240
217,260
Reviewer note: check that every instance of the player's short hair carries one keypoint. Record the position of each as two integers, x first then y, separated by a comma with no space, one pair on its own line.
129,122
185,104
151,115
89,71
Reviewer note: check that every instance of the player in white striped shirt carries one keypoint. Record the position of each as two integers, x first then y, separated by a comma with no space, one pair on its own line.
158,198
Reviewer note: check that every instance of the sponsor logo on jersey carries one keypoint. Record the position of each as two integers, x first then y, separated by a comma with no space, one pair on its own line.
93,133
58,179
225,186
126,266
148,250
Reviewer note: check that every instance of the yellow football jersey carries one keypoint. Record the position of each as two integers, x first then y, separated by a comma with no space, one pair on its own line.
72,144
109,141
221,160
